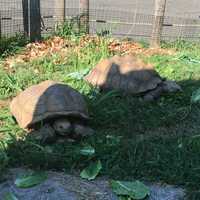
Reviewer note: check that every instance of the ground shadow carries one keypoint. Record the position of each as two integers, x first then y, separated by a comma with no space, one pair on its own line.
131,136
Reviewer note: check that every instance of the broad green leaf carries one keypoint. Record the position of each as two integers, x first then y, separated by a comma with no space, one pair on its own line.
10,196
92,170
113,140
78,75
188,59
196,96
136,190
30,180
87,151
48,149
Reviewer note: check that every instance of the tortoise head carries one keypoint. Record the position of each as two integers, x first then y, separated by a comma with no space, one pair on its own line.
62,126
171,86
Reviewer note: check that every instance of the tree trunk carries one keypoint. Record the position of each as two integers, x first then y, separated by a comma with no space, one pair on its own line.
35,20
158,23
0,25
25,17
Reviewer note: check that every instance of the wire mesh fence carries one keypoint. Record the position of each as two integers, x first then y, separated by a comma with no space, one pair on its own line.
129,21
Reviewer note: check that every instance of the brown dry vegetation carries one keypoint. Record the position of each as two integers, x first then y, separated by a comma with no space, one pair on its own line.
63,46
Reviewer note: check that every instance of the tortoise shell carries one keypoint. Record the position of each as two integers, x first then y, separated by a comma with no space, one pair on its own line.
126,73
47,100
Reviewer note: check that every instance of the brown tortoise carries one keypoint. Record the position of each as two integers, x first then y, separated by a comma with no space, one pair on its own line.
131,75
52,109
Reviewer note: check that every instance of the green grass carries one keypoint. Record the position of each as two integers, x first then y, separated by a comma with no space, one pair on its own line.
152,141
10,45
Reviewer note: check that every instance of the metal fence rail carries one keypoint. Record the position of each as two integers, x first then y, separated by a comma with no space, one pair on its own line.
120,22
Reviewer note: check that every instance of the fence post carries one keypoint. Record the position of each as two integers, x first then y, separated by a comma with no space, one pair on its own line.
35,20
0,25
25,17
158,23
60,10
84,16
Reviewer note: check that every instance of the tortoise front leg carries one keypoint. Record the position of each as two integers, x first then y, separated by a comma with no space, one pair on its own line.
153,94
82,130
45,134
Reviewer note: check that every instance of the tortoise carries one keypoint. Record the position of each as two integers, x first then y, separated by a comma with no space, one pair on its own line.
130,75
52,109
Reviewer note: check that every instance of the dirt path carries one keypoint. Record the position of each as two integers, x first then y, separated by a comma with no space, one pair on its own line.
66,187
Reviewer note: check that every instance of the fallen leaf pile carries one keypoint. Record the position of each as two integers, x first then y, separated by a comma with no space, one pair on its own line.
87,40
36,50
57,44
123,47
129,47
39,49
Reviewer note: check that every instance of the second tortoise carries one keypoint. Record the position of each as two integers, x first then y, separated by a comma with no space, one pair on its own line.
130,75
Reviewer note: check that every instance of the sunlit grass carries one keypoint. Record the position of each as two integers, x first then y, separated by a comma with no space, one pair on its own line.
152,141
